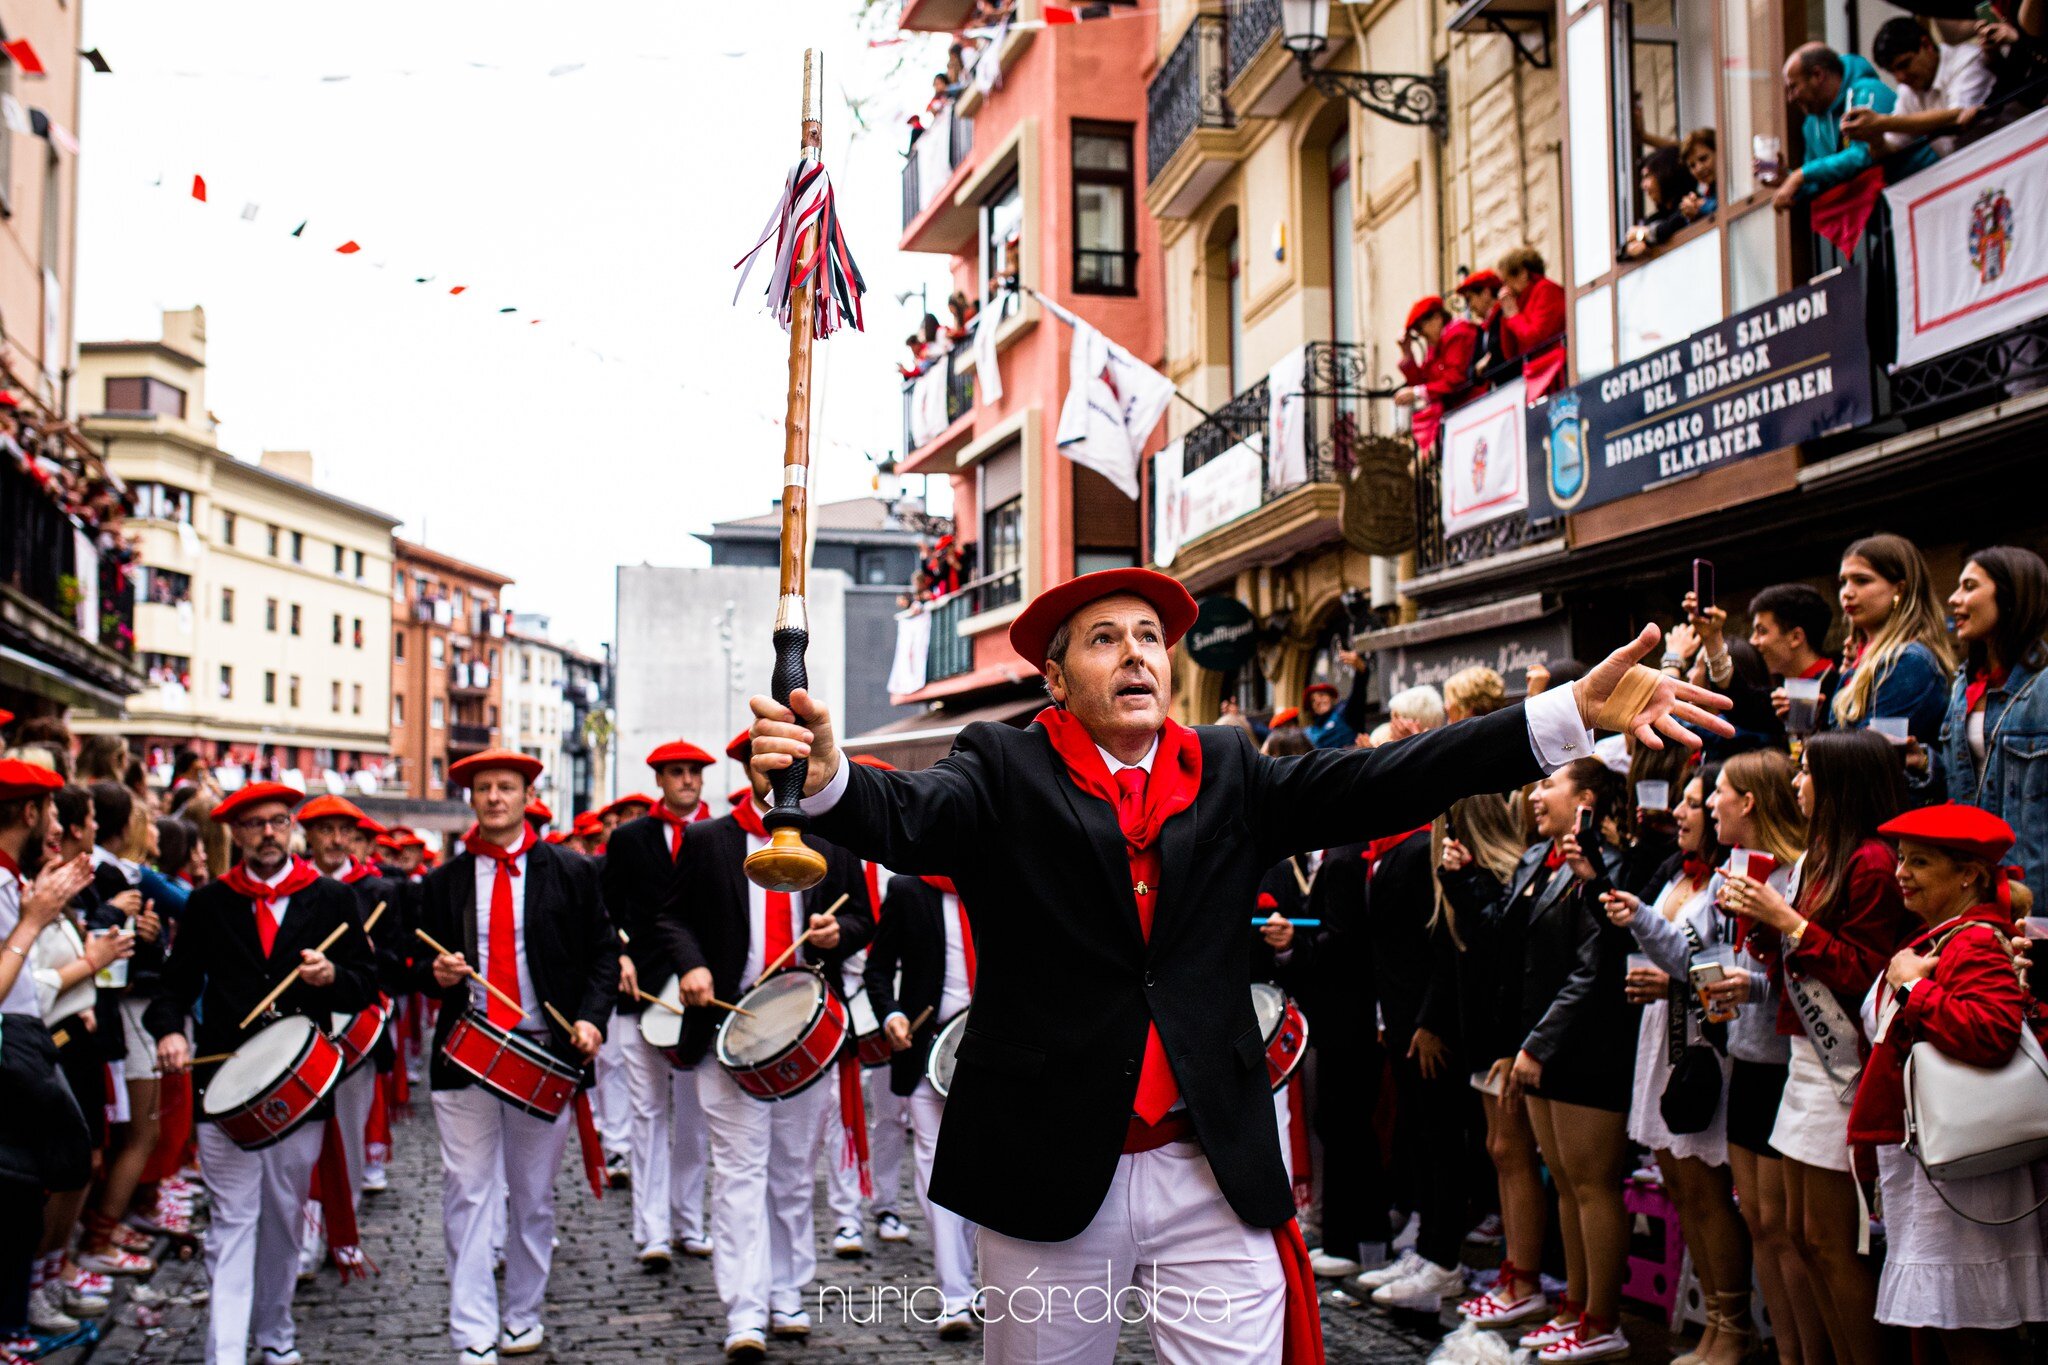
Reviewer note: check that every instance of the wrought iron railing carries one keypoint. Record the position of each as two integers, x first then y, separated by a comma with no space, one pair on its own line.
461,736
959,385
1337,399
1434,550
948,654
39,556
1187,93
1243,418
919,188
1252,22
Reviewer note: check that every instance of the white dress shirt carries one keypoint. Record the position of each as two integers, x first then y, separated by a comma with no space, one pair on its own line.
757,918
486,880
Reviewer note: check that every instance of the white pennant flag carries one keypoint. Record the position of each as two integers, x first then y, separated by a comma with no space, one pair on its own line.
1113,401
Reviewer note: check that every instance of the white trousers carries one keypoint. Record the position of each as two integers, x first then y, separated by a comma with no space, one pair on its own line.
494,1156
669,1149
763,1158
888,1137
252,1248
1164,1248
611,1104
952,1235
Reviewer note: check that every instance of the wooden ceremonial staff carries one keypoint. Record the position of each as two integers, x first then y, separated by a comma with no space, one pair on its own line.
788,863
281,987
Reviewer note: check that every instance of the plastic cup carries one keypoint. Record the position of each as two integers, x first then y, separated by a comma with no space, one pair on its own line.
1804,696
1893,728
1653,796
113,976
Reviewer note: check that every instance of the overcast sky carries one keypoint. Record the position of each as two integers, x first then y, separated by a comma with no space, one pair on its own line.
610,201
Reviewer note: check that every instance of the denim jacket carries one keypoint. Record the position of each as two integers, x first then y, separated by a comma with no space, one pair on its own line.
2013,782
1913,686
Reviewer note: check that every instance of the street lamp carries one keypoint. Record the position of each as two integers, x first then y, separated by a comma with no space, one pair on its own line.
1415,100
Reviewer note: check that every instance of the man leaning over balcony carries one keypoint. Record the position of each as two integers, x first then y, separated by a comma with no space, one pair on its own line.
1824,85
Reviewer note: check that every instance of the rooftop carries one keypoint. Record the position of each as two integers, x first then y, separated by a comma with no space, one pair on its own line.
404,550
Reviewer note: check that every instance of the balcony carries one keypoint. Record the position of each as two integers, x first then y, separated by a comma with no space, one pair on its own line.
934,402
1188,120
938,150
1252,23
64,609
951,654
468,738
469,677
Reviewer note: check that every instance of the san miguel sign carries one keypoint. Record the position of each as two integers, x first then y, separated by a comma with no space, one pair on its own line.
1791,370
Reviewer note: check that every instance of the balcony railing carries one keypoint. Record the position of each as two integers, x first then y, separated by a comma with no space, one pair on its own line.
462,736
469,677
1251,23
950,653
1337,398
933,157
936,399
1187,93
40,557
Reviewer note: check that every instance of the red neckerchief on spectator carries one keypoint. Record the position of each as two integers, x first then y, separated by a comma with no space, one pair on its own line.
300,875
1817,669
1980,682
1695,869
1554,858
1381,847
945,885
503,941
1852,654
7,861
675,825
1169,789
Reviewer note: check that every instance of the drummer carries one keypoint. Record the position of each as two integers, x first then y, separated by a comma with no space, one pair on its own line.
532,917
238,936
720,932
667,1146
924,934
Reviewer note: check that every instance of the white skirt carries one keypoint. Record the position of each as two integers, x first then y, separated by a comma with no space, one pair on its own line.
1942,1270
1645,1113
1813,1125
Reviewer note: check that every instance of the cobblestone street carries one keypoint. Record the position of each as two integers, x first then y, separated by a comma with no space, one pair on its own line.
602,1307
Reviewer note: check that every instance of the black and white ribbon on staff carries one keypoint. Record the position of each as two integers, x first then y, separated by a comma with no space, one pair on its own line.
807,202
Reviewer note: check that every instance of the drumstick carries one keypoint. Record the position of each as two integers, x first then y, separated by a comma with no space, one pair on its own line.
474,975
922,1015
209,1059
371,922
790,951
657,1000
1297,923
556,1015
267,1001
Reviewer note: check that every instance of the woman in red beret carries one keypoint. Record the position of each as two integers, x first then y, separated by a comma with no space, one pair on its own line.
1443,372
1953,986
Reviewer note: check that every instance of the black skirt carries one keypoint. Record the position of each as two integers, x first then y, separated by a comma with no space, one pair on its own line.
79,1061
1754,1092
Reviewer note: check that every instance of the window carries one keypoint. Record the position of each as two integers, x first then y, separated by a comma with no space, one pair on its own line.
273,542
525,666
340,558
162,502
298,547
1002,238
358,626
162,587
398,708
227,606
438,769
398,645
143,396
525,716
359,566
1002,544
437,713
270,688
227,527
334,697
437,649
337,627
227,681
1105,198
167,670
355,699
270,615
1235,263
295,618
292,690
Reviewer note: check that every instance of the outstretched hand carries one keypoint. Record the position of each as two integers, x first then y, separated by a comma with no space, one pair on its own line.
803,729
1666,710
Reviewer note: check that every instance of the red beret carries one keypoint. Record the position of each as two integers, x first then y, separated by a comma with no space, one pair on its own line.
1288,715
369,826
587,824
255,794
1316,687
1423,308
870,761
390,841
537,809
742,745
739,797
678,751
1031,632
331,808
553,836
1969,831
410,840
1479,279
463,771
19,779
5,715
630,798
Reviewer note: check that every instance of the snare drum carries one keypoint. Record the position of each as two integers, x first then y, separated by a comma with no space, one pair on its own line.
869,1042
273,1083
1285,1029
662,1028
357,1035
513,1067
796,1030
938,1064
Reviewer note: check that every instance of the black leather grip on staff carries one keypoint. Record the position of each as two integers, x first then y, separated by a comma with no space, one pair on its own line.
789,675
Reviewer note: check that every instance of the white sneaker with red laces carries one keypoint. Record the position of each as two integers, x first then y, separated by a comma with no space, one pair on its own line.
1587,1341
1499,1307
1550,1333
114,1261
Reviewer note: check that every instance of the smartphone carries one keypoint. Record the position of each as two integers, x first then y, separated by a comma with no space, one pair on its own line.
1702,584
1486,1085
1705,974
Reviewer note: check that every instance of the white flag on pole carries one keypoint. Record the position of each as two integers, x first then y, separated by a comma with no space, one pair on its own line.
1113,401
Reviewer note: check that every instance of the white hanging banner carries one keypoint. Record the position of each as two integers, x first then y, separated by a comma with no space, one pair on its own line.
1166,508
1287,419
1485,453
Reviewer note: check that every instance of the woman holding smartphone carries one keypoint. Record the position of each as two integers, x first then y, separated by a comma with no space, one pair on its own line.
1827,943
1897,660
1677,926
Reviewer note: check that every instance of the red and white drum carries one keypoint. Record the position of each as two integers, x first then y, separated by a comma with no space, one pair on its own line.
356,1035
513,1067
790,1036
661,1026
1285,1029
273,1083
869,1042
938,1063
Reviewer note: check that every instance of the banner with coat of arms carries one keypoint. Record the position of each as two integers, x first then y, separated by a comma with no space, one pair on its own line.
1971,234
1485,460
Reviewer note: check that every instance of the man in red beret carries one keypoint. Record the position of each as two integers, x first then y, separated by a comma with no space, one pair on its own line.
1481,292
1323,718
665,1139
237,937
719,931
532,918
1110,1104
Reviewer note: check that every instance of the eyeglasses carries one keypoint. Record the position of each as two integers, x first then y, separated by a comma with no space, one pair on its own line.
253,825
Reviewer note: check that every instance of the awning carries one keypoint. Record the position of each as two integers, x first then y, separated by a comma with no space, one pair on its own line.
920,740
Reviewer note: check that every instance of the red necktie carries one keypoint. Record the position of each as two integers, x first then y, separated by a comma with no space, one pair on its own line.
966,941
266,922
675,829
1157,1089
503,948
263,897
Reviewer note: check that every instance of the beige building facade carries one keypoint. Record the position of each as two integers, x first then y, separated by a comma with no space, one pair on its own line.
262,618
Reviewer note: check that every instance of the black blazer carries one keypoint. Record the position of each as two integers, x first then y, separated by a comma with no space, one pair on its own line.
571,952
217,970
391,941
1290,902
146,967
707,923
1067,984
911,936
641,886
1414,966
1332,965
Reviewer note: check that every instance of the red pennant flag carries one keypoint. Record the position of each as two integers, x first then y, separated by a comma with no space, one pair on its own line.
1056,14
24,55
348,248
1841,213
458,289
199,188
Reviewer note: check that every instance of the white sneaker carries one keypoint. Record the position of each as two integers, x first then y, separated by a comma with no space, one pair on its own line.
80,1303
1497,1308
1550,1333
1424,1291
1328,1267
523,1341
1409,1264
696,1246
787,1326
890,1228
46,1315
656,1256
744,1348
477,1355
1589,1346
847,1243
289,1356
957,1325
374,1179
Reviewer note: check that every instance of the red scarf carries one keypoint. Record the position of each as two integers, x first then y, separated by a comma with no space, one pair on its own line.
7,861
1387,843
675,824
1695,869
946,887
356,871
503,938
1170,789
300,875
1817,669
1980,682
749,816
1553,859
